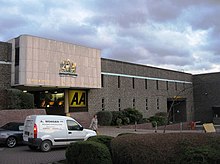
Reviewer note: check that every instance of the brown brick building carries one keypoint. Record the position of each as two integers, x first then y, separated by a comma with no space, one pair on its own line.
5,71
65,78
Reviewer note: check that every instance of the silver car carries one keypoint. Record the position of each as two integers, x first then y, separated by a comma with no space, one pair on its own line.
11,134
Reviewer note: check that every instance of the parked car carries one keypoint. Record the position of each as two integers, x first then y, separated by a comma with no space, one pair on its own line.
46,131
11,134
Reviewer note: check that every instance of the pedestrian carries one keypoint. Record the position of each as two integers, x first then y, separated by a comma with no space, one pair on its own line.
94,123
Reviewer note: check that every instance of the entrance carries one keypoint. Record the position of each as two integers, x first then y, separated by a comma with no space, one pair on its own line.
178,110
54,101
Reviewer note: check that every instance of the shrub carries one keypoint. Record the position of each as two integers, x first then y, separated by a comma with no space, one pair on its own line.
126,116
27,101
143,120
16,99
133,115
106,140
159,119
13,99
88,152
166,148
115,116
104,118
118,122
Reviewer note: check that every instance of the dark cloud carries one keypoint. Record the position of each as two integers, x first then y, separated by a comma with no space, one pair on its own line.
172,34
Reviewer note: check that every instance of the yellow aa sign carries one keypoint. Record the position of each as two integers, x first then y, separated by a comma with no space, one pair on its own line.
77,98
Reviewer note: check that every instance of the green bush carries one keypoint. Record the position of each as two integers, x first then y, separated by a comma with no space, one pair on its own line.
27,101
13,99
143,120
117,117
16,99
176,148
118,122
159,119
133,115
114,117
126,116
106,140
88,152
104,118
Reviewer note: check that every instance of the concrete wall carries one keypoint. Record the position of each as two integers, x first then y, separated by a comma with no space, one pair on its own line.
5,72
40,60
206,95
179,84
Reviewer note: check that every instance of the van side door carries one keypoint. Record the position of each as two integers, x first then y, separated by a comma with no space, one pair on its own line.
75,131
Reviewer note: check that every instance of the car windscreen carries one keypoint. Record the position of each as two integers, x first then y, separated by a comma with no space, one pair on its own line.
12,126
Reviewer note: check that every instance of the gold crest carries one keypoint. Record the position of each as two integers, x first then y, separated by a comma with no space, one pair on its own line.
68,68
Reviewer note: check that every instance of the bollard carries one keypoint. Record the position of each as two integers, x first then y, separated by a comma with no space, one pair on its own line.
155,127
135,124
181,126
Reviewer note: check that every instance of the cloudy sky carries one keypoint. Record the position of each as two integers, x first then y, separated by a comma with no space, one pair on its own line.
182,35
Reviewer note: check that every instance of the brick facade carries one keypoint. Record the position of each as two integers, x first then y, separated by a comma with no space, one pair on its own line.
5,71
133,91
206,96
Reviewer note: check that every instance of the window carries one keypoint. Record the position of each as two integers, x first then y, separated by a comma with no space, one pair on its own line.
17,56
133,82
146,103
103,104
16,75
145,83
167,83
184,86
72,125
133,105
102,80
119,82
175,85
158,105
119,104
157,84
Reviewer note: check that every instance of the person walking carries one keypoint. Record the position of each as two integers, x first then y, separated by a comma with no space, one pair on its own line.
94,123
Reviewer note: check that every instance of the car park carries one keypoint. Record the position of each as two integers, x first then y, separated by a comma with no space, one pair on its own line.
11,134
46,131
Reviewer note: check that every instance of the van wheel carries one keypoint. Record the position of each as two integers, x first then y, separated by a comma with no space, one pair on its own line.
45,146
11,142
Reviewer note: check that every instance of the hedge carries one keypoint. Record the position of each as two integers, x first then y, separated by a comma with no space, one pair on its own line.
133,115
126,116
159,119
103,139
166,148
104,118
88,152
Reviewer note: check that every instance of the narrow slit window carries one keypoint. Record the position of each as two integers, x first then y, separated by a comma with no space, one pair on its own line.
146,84
103,104
146,103
119,82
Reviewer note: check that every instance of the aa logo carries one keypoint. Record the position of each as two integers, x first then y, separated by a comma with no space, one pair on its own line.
77,98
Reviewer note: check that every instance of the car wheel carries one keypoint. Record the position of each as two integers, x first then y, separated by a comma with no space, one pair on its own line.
32,147
45,146
11,142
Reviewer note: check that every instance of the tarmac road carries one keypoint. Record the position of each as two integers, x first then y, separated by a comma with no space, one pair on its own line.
23,155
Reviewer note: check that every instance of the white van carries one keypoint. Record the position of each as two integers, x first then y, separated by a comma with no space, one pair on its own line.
46,131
